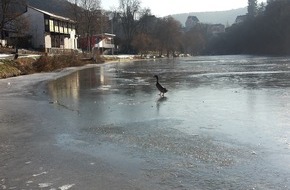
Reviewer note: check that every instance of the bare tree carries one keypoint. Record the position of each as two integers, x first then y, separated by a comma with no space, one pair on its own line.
143,43
9,11
91,9
74,12
144,40
19,37
91,19
168,33
129,11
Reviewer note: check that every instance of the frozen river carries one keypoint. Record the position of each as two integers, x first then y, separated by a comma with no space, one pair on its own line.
224,124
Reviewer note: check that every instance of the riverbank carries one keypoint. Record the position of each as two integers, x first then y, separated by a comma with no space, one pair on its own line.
30,64
37,64
16,80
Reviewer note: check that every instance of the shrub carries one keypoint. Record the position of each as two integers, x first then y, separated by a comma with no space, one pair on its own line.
52,63
7,70
22,66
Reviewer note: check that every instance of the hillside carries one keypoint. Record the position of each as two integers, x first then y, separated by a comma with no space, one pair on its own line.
219,17
60,7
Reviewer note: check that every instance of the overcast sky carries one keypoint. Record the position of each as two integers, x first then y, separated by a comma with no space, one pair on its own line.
167,7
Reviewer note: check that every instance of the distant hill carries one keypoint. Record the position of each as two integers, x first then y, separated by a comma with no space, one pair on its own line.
59,7
218,17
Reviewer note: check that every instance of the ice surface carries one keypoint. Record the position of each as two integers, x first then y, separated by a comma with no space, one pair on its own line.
224,124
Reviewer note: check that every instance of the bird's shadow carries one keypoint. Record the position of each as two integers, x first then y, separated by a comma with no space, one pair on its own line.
160,101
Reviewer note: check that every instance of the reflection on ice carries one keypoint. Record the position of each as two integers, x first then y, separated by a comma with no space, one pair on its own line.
65,87
160,100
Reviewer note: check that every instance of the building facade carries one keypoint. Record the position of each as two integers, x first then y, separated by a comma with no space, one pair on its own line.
102,43
49,31
105,42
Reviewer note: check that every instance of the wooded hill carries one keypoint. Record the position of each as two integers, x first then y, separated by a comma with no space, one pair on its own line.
265,32
218,17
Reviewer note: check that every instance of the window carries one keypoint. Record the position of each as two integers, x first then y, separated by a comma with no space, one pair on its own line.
65,28
51,26
107,41
69,28
46,25
56,26
61,27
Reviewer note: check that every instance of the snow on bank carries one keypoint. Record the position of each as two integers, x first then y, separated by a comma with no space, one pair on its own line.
5,56
11,56
120,56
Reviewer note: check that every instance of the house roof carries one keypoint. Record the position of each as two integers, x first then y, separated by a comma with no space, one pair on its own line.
106,35
52,15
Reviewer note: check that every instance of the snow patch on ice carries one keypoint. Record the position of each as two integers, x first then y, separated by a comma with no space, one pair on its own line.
44,185
66,187
3,56
42,173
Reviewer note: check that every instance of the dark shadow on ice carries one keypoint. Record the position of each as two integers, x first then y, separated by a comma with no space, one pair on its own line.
160,101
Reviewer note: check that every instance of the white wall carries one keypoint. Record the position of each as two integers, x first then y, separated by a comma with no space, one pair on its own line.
66,43
47,41
73,40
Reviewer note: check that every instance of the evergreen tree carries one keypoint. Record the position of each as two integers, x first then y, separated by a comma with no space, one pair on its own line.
252,8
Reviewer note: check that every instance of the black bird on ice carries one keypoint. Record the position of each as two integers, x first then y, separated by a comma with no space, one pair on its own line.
159,87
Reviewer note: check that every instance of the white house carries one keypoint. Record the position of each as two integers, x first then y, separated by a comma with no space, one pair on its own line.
50,31
103,43
105,40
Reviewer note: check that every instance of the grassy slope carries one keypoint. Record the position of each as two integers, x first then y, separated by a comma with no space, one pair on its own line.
23,66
